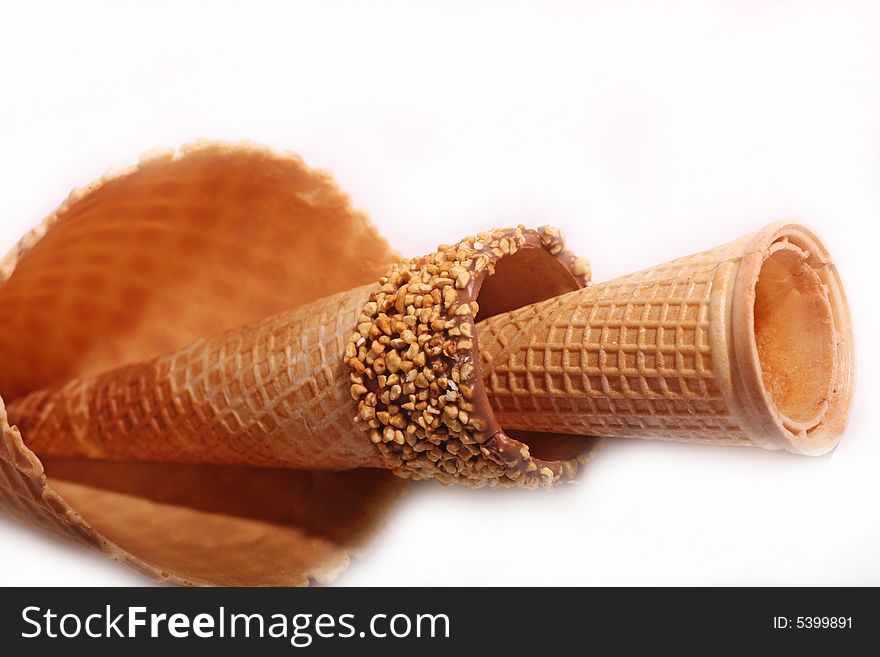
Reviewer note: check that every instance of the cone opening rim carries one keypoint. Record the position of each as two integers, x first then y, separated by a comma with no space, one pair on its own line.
531,275
766,421
540,270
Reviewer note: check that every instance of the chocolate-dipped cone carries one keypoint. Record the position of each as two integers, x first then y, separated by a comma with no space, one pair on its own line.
289,391
749,343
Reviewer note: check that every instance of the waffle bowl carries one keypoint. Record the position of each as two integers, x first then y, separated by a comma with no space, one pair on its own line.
145,261
179,387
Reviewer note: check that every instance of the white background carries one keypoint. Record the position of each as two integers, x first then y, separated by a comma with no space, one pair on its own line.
645,130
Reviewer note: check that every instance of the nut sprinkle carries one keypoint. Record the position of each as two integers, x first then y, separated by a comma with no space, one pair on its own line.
415,368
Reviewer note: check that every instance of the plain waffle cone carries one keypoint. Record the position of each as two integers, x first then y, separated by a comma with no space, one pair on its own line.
749,343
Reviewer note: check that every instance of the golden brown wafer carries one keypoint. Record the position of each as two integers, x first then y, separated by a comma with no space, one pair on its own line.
146,261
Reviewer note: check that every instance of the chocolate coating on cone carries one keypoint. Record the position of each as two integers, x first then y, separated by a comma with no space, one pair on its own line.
416,368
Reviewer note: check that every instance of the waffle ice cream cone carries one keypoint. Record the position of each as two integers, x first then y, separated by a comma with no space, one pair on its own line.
749,343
